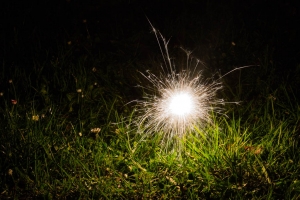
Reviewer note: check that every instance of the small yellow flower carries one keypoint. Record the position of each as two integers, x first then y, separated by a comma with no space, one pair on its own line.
1,94
79,90
80,134
10,81
94,69
35,118
10,172
95,130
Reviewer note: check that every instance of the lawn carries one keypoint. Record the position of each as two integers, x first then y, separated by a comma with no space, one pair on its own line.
69,103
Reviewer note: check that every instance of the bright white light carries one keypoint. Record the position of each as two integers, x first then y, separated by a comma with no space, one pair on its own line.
181,104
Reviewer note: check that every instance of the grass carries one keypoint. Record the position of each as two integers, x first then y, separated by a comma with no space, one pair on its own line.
60,154
69,132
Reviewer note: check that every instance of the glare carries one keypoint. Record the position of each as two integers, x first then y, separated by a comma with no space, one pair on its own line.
181,104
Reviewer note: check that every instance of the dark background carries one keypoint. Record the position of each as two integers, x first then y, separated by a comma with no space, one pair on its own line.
33,29
44,41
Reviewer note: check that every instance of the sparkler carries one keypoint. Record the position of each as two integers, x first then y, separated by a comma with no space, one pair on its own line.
182,102
178,102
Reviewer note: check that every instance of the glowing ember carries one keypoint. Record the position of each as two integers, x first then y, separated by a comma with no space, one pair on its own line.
181,104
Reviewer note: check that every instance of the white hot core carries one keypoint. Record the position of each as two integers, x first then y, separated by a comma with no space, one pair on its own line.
181,104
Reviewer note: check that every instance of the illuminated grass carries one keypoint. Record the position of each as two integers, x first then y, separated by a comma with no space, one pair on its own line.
82,146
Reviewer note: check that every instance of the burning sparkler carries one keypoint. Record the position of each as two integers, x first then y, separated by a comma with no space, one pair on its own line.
181,101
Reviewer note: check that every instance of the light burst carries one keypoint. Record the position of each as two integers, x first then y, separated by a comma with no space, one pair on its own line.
180,103
177,102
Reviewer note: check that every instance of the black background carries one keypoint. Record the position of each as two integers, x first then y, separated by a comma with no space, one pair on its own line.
29,27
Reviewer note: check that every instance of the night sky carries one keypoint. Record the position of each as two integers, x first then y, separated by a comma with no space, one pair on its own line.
29,27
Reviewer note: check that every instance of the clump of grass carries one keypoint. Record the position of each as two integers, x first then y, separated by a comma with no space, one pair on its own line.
65,145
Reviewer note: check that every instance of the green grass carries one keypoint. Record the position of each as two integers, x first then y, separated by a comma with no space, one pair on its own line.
70,133
251,153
